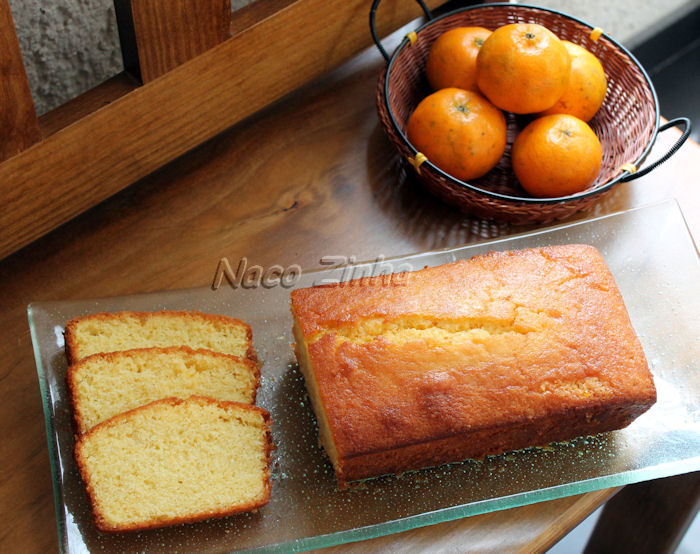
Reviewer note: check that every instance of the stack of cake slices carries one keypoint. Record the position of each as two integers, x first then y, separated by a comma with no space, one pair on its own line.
167,429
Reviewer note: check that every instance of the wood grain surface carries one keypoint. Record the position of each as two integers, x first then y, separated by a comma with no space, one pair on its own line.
255,12
100,154
19,127
308,176
170,33
98,97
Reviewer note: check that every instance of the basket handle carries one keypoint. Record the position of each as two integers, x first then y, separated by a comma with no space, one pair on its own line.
373,29
673,123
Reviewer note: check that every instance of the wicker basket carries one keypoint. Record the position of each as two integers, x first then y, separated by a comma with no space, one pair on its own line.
626,124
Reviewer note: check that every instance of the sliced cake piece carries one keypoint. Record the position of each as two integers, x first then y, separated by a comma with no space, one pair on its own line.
176,461
105,384
108,332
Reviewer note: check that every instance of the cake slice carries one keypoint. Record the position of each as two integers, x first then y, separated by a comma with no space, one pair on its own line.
109,332
105,384
481,356
176,461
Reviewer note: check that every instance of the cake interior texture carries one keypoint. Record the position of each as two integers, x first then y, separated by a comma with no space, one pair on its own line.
496,353
175,461
105,384
109,332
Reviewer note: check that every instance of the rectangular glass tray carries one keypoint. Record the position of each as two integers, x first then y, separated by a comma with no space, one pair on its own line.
655,262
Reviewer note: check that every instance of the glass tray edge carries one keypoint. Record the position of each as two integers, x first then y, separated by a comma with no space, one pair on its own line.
50,431
482,507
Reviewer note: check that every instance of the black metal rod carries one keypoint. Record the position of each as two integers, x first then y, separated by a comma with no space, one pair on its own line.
673,123
373,29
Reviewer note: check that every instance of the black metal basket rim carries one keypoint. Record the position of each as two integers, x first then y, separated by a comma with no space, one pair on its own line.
523,199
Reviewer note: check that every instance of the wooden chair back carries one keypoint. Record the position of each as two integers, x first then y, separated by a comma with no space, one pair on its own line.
192,69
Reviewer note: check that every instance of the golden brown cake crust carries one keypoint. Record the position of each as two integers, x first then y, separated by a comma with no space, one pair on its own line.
104,526
75,368
71,341
472,358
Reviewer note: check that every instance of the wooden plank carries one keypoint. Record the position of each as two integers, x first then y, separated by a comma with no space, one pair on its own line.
88,102
19,127
574,510
88,161
255,12
170,33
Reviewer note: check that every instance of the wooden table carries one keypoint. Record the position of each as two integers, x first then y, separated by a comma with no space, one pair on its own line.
309,176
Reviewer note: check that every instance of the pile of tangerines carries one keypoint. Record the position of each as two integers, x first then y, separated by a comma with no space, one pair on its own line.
521,68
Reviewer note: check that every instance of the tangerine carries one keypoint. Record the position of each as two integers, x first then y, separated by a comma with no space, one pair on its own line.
556,155
523,68
452,58
584,94
459,131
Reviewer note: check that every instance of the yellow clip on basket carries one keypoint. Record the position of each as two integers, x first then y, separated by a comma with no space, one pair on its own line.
595,34
417,160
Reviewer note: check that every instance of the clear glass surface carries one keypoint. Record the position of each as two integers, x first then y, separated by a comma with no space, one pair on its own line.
656,266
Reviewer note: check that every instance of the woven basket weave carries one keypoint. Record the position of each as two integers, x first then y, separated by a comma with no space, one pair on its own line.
626,124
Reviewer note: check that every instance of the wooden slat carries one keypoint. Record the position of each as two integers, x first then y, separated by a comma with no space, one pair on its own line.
18,122
84,163
88,102
169,33
255,12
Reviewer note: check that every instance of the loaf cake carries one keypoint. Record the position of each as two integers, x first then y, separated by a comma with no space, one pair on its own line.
108,332
495,353
105,384
175,461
